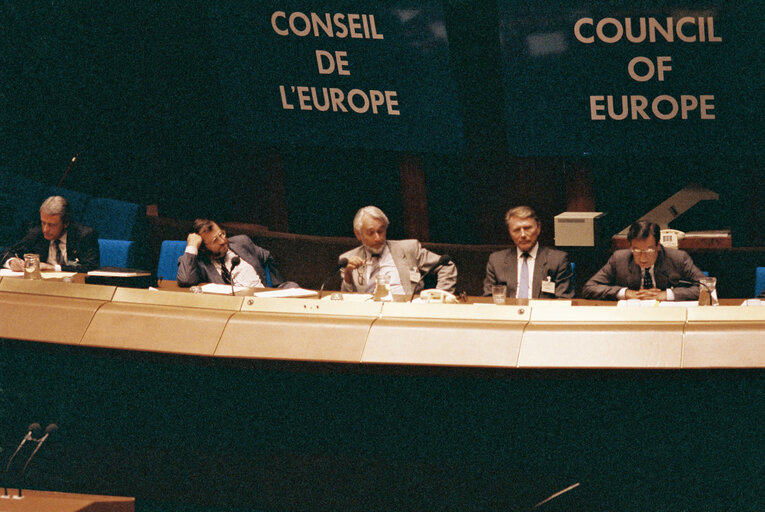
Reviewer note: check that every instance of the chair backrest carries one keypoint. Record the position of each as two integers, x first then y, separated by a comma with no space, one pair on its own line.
268,275
117,253
169,252
759,281
113,219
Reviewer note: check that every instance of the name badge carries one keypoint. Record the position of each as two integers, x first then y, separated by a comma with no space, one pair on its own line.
548,286
414,275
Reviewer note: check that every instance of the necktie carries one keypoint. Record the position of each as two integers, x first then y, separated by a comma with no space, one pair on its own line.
224,272
373,271
523,282
59,256
647,281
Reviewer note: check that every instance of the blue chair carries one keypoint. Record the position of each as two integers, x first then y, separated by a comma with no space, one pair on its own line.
169,252
117,253
113,219
268,275
573,275
759,281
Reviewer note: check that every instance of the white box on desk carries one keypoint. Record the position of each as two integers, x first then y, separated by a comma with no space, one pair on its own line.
576,228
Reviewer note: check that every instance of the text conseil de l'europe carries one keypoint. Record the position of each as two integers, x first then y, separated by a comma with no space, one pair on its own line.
332,99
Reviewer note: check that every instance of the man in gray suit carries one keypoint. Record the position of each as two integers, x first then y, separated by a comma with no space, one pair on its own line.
404,261
529,270
212,257
645,271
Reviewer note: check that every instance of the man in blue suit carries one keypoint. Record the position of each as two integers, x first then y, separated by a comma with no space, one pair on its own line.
212,257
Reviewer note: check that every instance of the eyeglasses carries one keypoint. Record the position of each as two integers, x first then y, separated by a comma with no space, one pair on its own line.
220,237
638,252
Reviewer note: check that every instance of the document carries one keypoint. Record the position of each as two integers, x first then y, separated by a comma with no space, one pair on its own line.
286,292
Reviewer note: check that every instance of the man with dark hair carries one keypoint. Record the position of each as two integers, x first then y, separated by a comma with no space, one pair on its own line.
529,270
60,243
646,270
212,257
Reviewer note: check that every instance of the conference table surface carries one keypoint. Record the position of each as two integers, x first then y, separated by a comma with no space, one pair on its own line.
305,404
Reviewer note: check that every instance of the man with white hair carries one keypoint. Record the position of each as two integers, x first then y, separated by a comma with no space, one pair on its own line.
404,261
60,243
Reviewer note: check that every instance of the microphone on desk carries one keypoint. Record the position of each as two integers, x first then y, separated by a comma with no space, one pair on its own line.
445,259
676,279
341,264
234,262
48,431
34,427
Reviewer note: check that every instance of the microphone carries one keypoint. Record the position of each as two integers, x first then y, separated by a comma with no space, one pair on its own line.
443,260
68,169
341,264
676,279
48,431
234,262
34,427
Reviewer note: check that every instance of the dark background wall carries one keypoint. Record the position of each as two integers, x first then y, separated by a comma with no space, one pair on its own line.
133,89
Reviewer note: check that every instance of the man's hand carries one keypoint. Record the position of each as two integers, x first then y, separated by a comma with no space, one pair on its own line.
647,294
353,263
16,264
47,266
194,240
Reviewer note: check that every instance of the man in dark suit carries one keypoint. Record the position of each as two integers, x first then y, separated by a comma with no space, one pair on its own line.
212,257
528,269
60,243
645,271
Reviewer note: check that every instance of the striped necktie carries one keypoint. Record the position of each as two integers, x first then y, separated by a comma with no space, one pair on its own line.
225,273
523,282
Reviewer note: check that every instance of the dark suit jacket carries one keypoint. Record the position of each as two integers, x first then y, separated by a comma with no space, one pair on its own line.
81,248
622,271
195,269
502,268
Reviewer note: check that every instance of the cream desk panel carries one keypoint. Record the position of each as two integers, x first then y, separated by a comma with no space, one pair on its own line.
50,311
157,321
447,334
725,337
299,329
603,337
178,298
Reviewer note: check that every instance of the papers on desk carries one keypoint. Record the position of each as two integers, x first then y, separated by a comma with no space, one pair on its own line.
6,272
637,303
118,273
221,289
349,297
57,275
286,292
